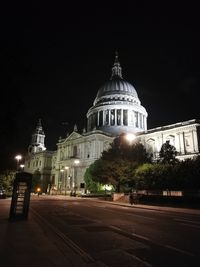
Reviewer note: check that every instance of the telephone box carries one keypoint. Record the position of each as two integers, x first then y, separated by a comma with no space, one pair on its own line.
20,196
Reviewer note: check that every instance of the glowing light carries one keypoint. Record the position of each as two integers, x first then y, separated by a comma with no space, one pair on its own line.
108,187
130,137
18,157
77,161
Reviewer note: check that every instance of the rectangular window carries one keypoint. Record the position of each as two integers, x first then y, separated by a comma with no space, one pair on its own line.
101,118
136,119
125,117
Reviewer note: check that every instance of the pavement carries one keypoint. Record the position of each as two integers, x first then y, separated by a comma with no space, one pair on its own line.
27,243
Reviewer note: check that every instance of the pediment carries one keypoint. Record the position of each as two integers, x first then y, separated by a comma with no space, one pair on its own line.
73,136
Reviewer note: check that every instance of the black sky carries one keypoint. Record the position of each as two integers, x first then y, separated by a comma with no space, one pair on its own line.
54,57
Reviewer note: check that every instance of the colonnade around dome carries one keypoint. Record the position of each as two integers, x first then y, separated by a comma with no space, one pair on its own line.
117,117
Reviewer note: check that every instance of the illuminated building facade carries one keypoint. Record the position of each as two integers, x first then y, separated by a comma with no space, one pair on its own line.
116,109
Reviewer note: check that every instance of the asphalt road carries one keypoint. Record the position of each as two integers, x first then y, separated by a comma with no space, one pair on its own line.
116,235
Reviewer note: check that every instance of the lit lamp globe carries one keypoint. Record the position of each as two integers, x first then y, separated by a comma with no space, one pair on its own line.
130,137
18,158
77,161
22,166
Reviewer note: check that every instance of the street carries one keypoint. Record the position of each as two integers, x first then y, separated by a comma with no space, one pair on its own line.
105,234
117,235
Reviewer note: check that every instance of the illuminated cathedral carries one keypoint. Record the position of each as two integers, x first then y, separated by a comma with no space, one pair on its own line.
116,109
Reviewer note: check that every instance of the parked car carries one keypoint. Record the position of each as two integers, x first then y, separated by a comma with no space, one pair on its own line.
2,193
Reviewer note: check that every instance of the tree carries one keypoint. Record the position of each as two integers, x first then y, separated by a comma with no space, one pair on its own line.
115,172
154,176
91,185
121,149
168,154
6,180
117,165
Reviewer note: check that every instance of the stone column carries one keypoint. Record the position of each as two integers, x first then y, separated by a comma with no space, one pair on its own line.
145,123
177,142
128,117
97,118
121,116
195,140
182,143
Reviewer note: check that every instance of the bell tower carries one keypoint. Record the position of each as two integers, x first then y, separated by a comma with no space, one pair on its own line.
37,141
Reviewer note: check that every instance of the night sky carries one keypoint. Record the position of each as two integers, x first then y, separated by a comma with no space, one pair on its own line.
54,57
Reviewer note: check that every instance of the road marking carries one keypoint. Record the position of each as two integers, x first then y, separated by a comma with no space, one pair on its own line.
141,236
132,214
153,242
133,234
144,263
180,250
186,220
66,239
190,225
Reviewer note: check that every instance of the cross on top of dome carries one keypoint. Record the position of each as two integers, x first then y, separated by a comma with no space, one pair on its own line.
116,69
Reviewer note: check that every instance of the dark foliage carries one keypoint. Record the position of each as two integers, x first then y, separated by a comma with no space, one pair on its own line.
168,153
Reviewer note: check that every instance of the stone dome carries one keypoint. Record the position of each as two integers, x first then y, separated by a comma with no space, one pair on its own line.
116,88
116,85
117,108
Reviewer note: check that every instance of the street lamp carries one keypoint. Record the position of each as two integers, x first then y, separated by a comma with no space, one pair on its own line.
66,168
18,158
61,180
130,137
22,166
76,162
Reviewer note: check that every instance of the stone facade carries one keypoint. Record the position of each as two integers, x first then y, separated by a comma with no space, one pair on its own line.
184,136
116,109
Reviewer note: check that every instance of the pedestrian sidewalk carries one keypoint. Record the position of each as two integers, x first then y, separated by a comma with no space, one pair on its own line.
141,206
159,208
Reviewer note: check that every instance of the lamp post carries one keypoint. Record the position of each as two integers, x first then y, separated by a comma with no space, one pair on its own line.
130,137
61,180
18,158
21,167
76,162
66,169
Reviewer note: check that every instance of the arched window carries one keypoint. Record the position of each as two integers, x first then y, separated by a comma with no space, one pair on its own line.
151,146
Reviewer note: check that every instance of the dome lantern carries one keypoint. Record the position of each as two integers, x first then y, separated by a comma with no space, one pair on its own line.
116,69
